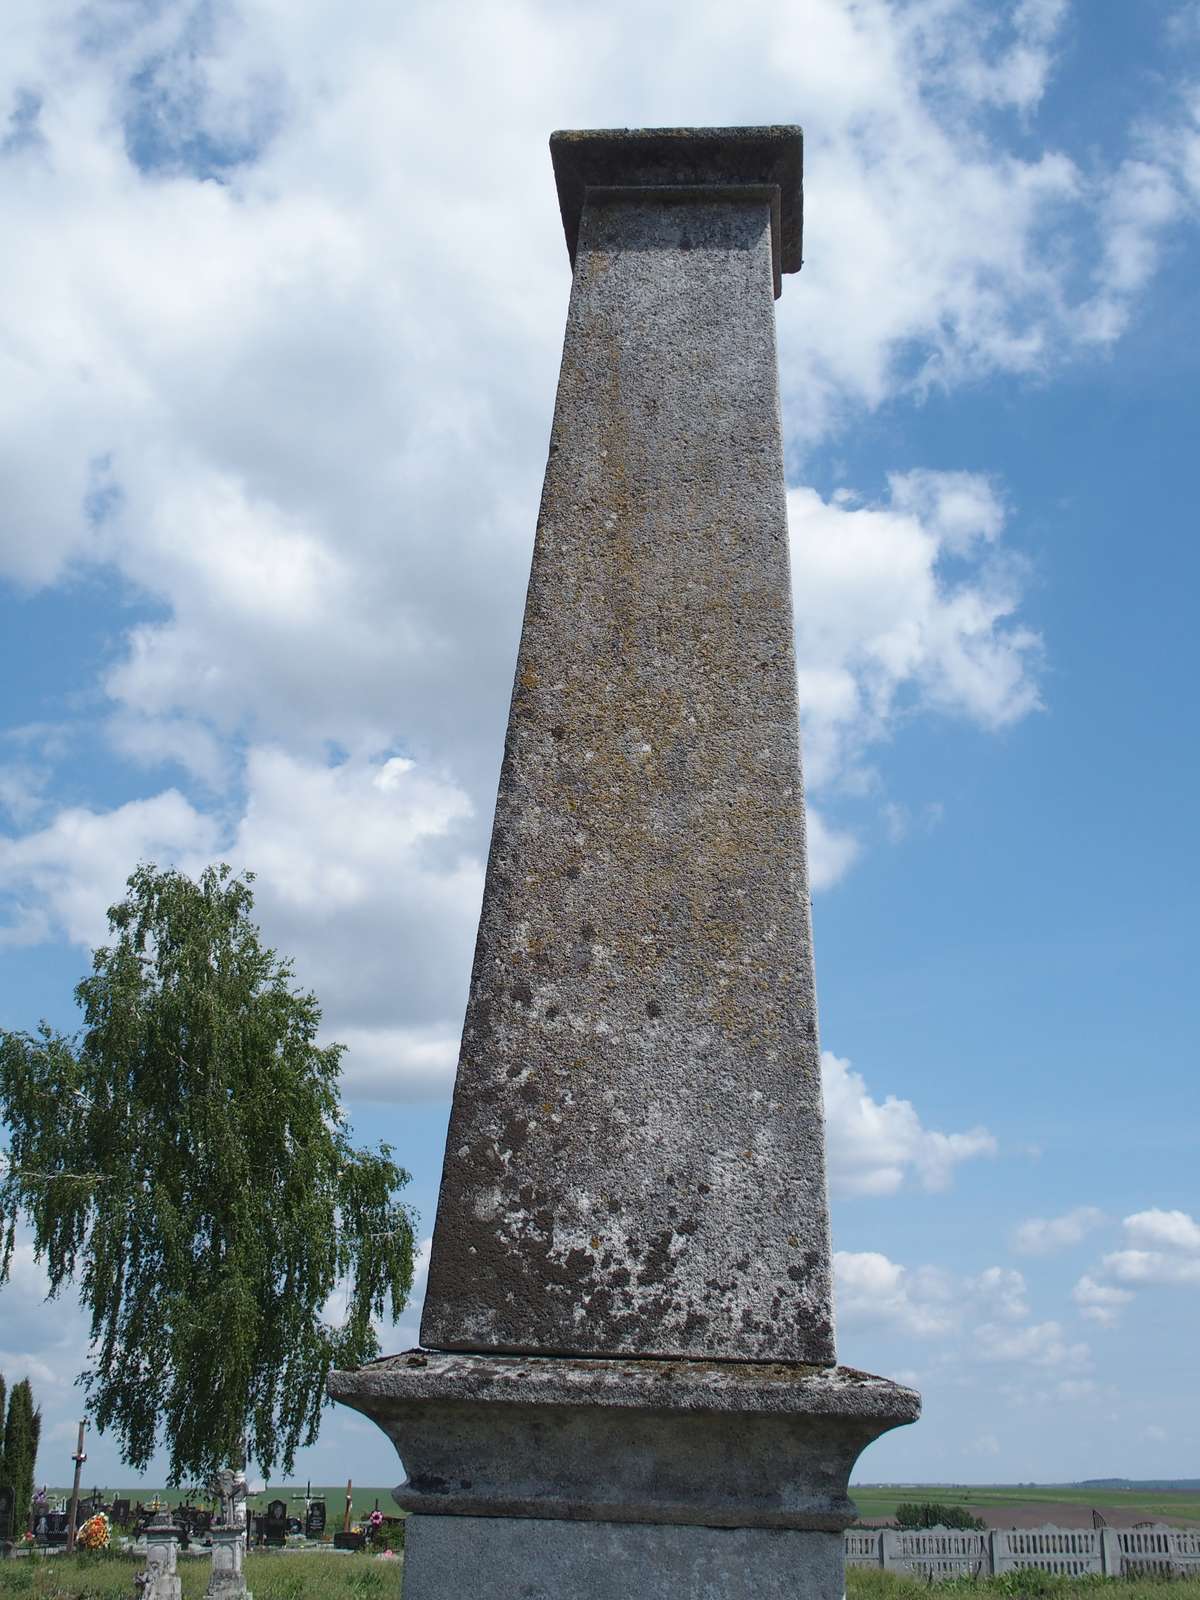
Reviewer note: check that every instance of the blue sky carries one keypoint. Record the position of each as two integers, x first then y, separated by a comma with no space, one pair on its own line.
279,324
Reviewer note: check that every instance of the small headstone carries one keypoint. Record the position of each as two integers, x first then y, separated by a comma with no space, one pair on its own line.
314,1519
7,1503
121,1512
345,1540
275,1523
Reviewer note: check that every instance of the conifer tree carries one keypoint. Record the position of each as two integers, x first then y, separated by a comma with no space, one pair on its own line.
184,1162
20,1449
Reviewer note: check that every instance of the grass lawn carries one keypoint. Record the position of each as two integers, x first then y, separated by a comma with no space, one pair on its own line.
868,1583
357,1577
271,1577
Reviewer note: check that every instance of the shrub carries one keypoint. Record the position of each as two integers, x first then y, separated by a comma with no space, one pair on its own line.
931,1514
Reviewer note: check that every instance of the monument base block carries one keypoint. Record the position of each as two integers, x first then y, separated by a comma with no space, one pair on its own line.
584,1478
497,1558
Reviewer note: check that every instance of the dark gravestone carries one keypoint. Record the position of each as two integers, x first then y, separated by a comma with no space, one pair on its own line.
56,1528
275,1523
347,1541
121,1512
7,1518
314,1519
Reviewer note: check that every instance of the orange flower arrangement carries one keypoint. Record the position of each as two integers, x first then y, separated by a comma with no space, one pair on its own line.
94,1533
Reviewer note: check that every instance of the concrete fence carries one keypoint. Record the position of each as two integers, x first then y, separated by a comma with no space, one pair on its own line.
955,1553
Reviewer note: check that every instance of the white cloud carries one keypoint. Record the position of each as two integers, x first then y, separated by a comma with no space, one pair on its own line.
872,1290
398,1063
874,1145
64,876
1040,1236
883,629
1005,1290
1171,1229
1152,1267
1100,1302
1041,1344
925,1301
363,879
304,411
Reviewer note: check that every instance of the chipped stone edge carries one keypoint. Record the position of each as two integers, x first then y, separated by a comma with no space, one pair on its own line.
772,1388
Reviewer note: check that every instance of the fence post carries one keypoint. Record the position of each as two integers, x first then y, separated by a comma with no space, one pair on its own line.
882,1557
991,1554
1111,1562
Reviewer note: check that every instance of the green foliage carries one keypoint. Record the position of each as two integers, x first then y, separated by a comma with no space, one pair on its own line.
183,1160
935,1514
109,1575
871,1583
18,1458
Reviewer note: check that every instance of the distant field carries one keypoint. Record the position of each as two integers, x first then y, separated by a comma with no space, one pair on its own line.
1024,1504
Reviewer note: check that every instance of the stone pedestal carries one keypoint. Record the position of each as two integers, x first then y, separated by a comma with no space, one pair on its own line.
159,1580
631,1386
228,1578
563,1478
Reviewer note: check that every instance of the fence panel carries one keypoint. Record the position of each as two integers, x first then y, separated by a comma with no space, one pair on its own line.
935,1552
1169,1552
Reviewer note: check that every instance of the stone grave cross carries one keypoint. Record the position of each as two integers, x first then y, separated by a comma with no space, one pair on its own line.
629,1381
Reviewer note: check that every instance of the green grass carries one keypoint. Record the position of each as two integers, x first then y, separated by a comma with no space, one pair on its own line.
1145,1504
271,1577
869,1583
355,1577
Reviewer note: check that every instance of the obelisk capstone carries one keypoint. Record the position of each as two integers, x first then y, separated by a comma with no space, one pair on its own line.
628,1380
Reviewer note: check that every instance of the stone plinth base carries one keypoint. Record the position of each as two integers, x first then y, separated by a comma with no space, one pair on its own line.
498,1558
553,1477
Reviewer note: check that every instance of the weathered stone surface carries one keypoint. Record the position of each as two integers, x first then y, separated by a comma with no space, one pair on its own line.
635,1163
723,1444
669,162
499,1558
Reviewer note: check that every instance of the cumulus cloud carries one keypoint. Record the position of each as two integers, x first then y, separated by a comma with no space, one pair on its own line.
1172,1229
300,410
872,1290
1099,1302
883,629
1040,1236
1152,1267
925,1301
1163,1251
873,1146
364,880
61,878
1040,1344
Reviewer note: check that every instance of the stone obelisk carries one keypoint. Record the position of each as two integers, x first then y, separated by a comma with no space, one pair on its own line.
628,1384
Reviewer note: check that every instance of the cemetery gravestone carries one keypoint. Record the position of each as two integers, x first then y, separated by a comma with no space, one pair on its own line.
275,1523
314,1519
121,1512
630,1385
160,1580
7,1513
